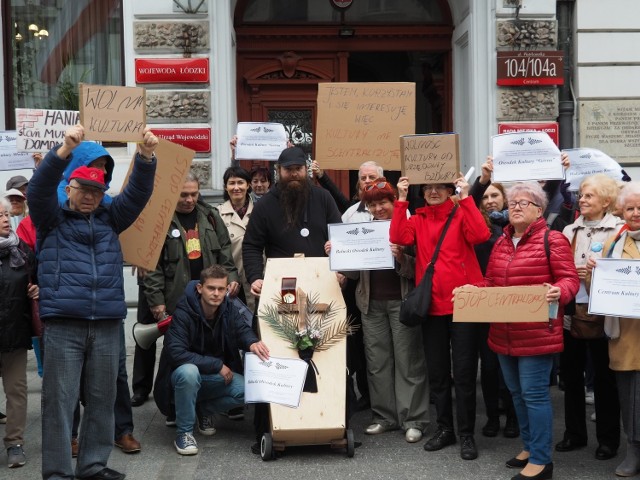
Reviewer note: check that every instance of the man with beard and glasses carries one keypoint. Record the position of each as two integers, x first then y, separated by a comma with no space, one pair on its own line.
290,218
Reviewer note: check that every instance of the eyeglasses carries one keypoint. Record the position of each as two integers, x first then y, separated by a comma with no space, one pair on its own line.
522,203
92,192
380,185
437,188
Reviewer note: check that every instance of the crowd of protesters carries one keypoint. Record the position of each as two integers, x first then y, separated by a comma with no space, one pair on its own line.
61,268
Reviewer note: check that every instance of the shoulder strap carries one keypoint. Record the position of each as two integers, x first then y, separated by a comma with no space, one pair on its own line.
444,231
547,250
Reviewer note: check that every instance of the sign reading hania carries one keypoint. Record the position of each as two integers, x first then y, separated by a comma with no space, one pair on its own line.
530,68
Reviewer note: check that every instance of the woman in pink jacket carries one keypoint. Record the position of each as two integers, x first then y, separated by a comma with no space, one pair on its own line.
527,255
446,342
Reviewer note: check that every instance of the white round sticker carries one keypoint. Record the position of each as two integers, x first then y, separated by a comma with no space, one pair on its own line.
175,233
304,232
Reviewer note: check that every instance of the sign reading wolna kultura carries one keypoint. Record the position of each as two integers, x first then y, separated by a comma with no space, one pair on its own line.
112,113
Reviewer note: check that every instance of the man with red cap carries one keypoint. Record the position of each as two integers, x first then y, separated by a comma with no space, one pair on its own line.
82,301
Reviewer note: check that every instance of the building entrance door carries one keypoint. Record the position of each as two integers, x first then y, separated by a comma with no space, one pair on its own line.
279,65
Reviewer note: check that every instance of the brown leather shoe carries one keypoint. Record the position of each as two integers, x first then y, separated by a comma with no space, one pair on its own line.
128,444
74,447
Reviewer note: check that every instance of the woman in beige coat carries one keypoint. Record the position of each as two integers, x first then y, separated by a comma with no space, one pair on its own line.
235,213
624,333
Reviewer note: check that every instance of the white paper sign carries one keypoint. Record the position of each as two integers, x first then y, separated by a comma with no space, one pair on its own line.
589,161
10,158
525,156
360,246
41,130
277,380
260,141
615,288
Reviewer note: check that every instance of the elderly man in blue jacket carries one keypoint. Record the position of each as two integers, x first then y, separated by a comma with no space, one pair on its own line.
200,364
82,301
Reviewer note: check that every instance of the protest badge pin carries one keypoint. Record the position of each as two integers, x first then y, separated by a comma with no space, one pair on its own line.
597,246
175,233
304,232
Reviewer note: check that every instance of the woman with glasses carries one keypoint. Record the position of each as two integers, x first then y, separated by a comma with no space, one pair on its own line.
396,369
624,333
596,198
527,255
446,344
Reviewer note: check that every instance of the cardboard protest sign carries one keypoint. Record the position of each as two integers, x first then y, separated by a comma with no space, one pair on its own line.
432,158
40,130
358,122
10,158
112,113
142,242
501,304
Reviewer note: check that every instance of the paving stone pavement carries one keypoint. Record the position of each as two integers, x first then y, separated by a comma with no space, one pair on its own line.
226,455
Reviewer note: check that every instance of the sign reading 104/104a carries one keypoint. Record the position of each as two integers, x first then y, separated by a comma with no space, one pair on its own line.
530,68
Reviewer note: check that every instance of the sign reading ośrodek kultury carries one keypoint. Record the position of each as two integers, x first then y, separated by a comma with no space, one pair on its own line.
40,130
142,242
358,122
432,158
114,113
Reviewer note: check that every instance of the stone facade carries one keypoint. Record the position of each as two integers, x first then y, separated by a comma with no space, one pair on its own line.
171,37
521,103
178,106
526,34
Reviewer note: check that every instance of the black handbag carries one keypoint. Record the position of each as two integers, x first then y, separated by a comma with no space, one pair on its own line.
415,306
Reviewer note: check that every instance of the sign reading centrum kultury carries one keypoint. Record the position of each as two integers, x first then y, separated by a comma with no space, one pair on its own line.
358,122
109,112
172,70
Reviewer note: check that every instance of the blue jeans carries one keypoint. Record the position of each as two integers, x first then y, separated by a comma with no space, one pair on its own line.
74,346
528,381
207,391
122,408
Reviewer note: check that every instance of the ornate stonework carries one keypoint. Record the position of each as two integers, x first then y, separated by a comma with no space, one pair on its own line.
172,37
178,106
517,104
202,168
527,35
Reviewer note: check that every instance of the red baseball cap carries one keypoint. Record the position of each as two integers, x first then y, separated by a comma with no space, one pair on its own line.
89,176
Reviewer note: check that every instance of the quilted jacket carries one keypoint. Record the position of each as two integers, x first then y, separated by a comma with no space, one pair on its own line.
528,265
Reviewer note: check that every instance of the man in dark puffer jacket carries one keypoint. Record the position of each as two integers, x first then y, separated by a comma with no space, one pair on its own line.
200,363
82,301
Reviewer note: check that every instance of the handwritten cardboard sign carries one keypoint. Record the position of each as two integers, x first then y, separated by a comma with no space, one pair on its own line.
142,242
501,304
432,158
113,113
40,130
358,122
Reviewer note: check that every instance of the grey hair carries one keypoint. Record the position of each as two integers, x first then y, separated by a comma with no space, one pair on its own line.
532,189
4,201
371,163
628,189
192,176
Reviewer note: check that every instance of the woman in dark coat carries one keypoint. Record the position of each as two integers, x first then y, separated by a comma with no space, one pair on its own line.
16,261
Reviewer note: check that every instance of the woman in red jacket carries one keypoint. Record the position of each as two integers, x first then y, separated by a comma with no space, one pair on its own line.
445,341
525,350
